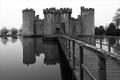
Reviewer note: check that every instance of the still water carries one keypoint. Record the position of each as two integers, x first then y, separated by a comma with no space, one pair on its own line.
107,68
113,42
32,59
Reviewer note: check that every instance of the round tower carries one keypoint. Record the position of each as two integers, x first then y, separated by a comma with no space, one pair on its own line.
49,21
28,22
87,19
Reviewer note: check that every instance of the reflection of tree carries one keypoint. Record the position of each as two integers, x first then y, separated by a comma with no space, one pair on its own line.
117,44
14,39
112,41
4,40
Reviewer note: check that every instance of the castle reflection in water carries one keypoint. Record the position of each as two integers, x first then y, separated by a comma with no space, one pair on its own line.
33,47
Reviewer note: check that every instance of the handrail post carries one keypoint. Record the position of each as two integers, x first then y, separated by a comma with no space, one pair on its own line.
108,44
66,42
100,42
90,40
73,48
81,62
94,40
102,68
69,48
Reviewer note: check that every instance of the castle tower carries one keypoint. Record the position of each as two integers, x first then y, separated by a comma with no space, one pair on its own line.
87,20
49,21
65,18
28,22
87,24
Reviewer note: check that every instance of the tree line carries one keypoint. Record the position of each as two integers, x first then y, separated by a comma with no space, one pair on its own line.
6,32
112,29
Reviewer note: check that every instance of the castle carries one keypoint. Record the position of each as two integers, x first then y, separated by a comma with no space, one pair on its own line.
58,21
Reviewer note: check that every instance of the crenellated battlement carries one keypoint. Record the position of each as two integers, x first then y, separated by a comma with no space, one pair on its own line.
49,10
28,10
65,10
87,10
54,10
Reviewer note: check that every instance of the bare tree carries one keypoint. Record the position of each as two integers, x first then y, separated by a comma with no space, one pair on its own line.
116,18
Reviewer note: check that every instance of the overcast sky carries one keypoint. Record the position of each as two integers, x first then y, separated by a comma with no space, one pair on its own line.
11,10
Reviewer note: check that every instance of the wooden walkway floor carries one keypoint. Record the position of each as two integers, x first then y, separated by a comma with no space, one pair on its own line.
110,70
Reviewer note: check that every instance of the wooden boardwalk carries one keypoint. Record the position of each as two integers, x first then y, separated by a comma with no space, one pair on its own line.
97,64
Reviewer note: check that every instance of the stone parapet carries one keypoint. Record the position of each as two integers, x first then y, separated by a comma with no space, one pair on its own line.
58,11
85,11
28,10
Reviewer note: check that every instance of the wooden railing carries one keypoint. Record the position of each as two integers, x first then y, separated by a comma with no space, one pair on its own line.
110,41
68,44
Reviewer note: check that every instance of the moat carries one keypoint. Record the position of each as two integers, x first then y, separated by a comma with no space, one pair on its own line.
32,58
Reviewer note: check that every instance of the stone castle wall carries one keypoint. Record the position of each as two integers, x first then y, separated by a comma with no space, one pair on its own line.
39,26
53,18
28,22
87,20
48,22
75,26
58,21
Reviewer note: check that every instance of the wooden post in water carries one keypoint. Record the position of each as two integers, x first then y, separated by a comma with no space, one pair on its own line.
81,62
102,68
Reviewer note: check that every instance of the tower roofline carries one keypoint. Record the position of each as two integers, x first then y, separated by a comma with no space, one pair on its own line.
54,10
86,9
28,10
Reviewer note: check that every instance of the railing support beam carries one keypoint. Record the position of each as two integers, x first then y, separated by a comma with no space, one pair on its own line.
102,68
81,62
73,49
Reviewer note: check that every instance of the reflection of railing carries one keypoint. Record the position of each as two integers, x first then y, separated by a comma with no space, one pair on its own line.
88,42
